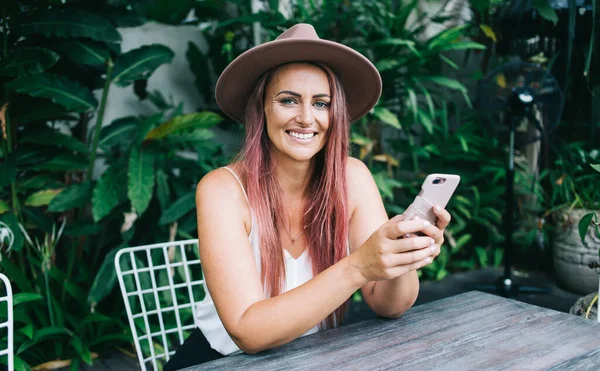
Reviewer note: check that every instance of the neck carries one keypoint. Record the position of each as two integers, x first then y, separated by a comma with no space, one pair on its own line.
294,177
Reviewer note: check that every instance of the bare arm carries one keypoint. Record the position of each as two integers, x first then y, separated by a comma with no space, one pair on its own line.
254,322
391,297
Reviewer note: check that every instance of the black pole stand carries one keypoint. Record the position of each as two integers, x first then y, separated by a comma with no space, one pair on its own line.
506,284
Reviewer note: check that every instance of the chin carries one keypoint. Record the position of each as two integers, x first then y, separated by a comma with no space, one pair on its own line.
302,157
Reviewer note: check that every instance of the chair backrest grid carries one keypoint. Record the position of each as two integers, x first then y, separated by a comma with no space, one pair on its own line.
157,301
175,274
188,279
8,351
173,296
144,313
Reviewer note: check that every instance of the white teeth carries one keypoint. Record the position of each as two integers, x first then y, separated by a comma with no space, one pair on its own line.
302,136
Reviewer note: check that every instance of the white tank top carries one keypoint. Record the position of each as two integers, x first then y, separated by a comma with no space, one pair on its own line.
297,272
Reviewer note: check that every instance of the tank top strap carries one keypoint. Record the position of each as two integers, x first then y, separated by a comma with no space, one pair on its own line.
240,182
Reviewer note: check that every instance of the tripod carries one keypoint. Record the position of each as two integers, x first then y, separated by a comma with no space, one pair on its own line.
520,104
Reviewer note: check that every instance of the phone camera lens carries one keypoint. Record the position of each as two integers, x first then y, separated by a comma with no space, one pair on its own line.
436,181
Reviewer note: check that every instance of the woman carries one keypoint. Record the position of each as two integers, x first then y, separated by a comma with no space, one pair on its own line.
293,227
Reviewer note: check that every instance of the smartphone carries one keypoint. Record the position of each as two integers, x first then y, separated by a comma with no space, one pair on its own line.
437,189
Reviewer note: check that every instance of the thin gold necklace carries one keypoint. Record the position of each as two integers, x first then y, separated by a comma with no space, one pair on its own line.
294,239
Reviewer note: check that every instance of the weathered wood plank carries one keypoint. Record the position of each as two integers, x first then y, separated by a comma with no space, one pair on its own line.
468,331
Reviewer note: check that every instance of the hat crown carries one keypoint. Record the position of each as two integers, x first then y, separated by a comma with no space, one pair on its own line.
299,31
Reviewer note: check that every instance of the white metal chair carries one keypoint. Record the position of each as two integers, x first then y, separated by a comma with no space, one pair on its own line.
6,296
161,285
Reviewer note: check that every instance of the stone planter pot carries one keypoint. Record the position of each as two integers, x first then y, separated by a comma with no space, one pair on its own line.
571,257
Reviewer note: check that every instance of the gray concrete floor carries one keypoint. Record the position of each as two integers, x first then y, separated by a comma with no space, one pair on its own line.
557,299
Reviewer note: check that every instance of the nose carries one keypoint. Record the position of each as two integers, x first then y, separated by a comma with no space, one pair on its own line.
305,116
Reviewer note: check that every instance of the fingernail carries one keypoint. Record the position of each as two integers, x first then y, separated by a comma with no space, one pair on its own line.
432,248
408,235
417,218
427,260
426,224
432,242
438,208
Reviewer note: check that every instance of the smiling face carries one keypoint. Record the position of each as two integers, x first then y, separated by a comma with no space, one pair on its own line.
297,104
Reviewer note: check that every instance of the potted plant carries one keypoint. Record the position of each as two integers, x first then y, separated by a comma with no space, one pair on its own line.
574,198
589,227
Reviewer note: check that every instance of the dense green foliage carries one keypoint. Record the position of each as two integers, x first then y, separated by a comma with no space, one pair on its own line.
59,60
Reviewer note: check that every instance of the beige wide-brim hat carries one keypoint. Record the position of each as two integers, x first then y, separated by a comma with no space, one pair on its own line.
359,77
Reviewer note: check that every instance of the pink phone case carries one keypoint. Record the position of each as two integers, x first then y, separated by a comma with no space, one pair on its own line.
436,190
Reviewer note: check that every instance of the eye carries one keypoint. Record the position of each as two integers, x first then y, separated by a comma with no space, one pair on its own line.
287,101
321,104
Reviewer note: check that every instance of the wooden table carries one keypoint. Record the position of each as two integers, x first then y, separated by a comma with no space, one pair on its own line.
471,331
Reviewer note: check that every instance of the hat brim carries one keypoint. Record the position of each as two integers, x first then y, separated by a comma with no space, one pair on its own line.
359,77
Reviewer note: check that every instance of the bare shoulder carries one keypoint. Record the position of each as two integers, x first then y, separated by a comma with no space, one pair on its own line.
358,175
359,181
217,183
357,170
220,189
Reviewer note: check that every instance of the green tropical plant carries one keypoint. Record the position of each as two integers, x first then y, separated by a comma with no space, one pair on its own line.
590,219
54,57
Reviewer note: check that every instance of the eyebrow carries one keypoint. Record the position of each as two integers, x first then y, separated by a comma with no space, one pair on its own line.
299,96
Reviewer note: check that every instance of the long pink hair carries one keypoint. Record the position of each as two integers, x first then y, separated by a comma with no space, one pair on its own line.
326,215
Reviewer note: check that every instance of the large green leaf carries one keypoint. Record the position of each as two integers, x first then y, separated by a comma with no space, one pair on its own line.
4,206
444,81
184,123
596,167
39,181
140,179
82,350
25,297
146,125
44,334
56,139
162,189
386,64
195,138
480,5
64,162
110,191
140,63
178,209
105,279
545,9
399,42
45,110
584,225
467,45
387,117
41,198
86,52
425,120
447,36
76,195
27,61
70,23
69,94
169,11
120,132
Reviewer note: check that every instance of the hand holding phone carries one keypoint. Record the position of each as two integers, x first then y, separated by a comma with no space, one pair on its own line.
437,189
